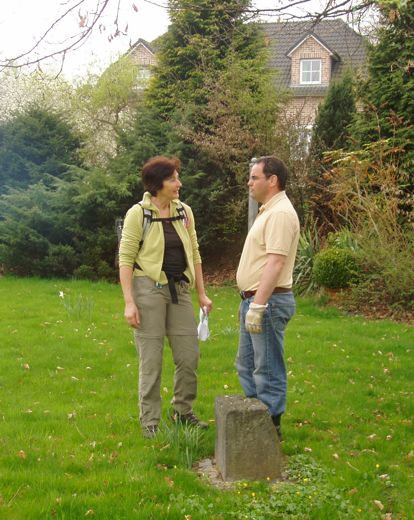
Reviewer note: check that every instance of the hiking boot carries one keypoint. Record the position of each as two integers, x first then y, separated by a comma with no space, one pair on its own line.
276,422
150,431
189,419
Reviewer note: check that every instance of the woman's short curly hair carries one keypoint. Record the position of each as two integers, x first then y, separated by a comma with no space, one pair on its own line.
156,170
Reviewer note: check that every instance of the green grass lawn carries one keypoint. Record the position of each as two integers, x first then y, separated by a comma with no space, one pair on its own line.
70,440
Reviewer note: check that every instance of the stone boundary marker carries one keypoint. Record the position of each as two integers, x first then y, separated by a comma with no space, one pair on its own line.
247,446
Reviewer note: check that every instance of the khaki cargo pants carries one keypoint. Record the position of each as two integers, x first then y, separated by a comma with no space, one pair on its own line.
159,317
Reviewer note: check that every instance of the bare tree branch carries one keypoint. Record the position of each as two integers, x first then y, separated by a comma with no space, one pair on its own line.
286,10
79,39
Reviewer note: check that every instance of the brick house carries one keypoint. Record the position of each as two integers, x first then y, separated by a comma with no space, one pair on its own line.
143,54
308,57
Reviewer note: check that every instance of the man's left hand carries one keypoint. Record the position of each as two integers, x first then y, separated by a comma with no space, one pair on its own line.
254,318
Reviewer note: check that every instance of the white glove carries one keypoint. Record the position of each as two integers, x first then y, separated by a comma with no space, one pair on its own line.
254,317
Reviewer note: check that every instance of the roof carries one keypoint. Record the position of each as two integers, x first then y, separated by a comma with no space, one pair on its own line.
347,46
318,40
143,42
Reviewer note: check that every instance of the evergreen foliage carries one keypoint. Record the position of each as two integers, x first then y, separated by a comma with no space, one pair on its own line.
34,230
35,145
335,114
57,217
197,41
335,268
62,228
331,132
213,88
237,123
388,94
149,136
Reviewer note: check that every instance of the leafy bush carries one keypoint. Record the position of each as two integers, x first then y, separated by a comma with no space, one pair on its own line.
386,278
366,189
21,248
335,268
55,229
59,262
85,272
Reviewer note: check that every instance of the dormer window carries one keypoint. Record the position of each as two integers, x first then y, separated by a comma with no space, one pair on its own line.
310,72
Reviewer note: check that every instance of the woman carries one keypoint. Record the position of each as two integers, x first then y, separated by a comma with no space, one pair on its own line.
157,269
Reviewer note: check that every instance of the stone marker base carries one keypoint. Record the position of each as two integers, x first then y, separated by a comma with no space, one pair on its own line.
247,446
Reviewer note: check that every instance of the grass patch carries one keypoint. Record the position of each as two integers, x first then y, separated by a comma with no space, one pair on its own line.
70,440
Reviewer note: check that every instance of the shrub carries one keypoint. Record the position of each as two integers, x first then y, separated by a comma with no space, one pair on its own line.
106,271
85,272
386,278
366,193
21,248
335,268
59,262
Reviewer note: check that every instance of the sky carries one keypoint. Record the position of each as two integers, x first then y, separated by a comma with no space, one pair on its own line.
22,22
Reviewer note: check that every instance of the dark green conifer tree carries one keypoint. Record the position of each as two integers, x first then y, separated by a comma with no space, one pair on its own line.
388,94
335,114
34,146
216,115
56,217
330,132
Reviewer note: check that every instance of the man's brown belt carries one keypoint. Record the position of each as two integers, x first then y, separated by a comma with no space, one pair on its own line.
248,294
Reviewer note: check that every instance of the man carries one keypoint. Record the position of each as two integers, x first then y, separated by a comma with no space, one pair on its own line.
264,277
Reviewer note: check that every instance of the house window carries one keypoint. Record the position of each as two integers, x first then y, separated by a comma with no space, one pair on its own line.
144,74
310,71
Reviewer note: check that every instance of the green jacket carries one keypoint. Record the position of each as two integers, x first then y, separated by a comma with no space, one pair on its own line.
151,254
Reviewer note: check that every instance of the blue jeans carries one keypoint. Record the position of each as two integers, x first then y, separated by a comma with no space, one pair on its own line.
260,358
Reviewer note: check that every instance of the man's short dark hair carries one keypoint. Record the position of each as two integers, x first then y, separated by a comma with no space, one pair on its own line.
156,170
274,166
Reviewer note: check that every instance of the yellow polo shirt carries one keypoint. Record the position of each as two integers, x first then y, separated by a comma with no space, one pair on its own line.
276,231
151,254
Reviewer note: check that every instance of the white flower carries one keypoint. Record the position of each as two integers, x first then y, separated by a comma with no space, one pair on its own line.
61,294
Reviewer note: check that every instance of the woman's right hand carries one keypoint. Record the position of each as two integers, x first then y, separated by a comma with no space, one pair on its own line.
131,314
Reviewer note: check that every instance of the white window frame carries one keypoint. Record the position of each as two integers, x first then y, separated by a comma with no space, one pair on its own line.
144,73
319,81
